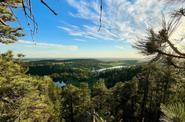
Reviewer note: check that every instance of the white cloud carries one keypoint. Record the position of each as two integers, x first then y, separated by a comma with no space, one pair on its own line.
50,50
41,49
119,47
48,45
122,20
80,40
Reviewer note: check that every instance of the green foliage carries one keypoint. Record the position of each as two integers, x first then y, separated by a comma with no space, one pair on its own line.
111,77
25,98
125,101
80,70
101,99
145,93
177,90
33,98
136,96
173,112
8,33
85,97
70,102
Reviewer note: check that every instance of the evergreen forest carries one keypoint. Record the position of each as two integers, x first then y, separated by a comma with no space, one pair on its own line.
93,89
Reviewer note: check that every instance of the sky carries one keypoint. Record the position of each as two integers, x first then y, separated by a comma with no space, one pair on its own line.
73,33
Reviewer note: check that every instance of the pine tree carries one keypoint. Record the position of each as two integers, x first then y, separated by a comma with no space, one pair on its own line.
173,112
85,97
8,33
25,98
101,99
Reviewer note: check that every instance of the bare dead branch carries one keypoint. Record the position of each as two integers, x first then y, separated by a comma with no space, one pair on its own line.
173,1
170,55
168,29
45,4
101,11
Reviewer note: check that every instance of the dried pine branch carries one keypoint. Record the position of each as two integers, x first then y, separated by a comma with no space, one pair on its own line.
45,4
101,10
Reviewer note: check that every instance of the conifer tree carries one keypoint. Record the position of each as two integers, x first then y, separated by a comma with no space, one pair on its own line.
8,33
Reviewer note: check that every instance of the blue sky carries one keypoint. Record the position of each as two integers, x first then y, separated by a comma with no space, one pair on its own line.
74,32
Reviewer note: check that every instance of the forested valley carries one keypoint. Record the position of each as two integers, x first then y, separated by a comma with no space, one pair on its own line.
93,90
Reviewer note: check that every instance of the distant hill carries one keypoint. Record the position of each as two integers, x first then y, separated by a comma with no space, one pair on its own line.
83,60
60,60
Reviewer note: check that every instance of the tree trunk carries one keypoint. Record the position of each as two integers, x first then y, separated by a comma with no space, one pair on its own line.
145,96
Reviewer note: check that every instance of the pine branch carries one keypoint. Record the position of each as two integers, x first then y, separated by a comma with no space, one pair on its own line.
2,22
